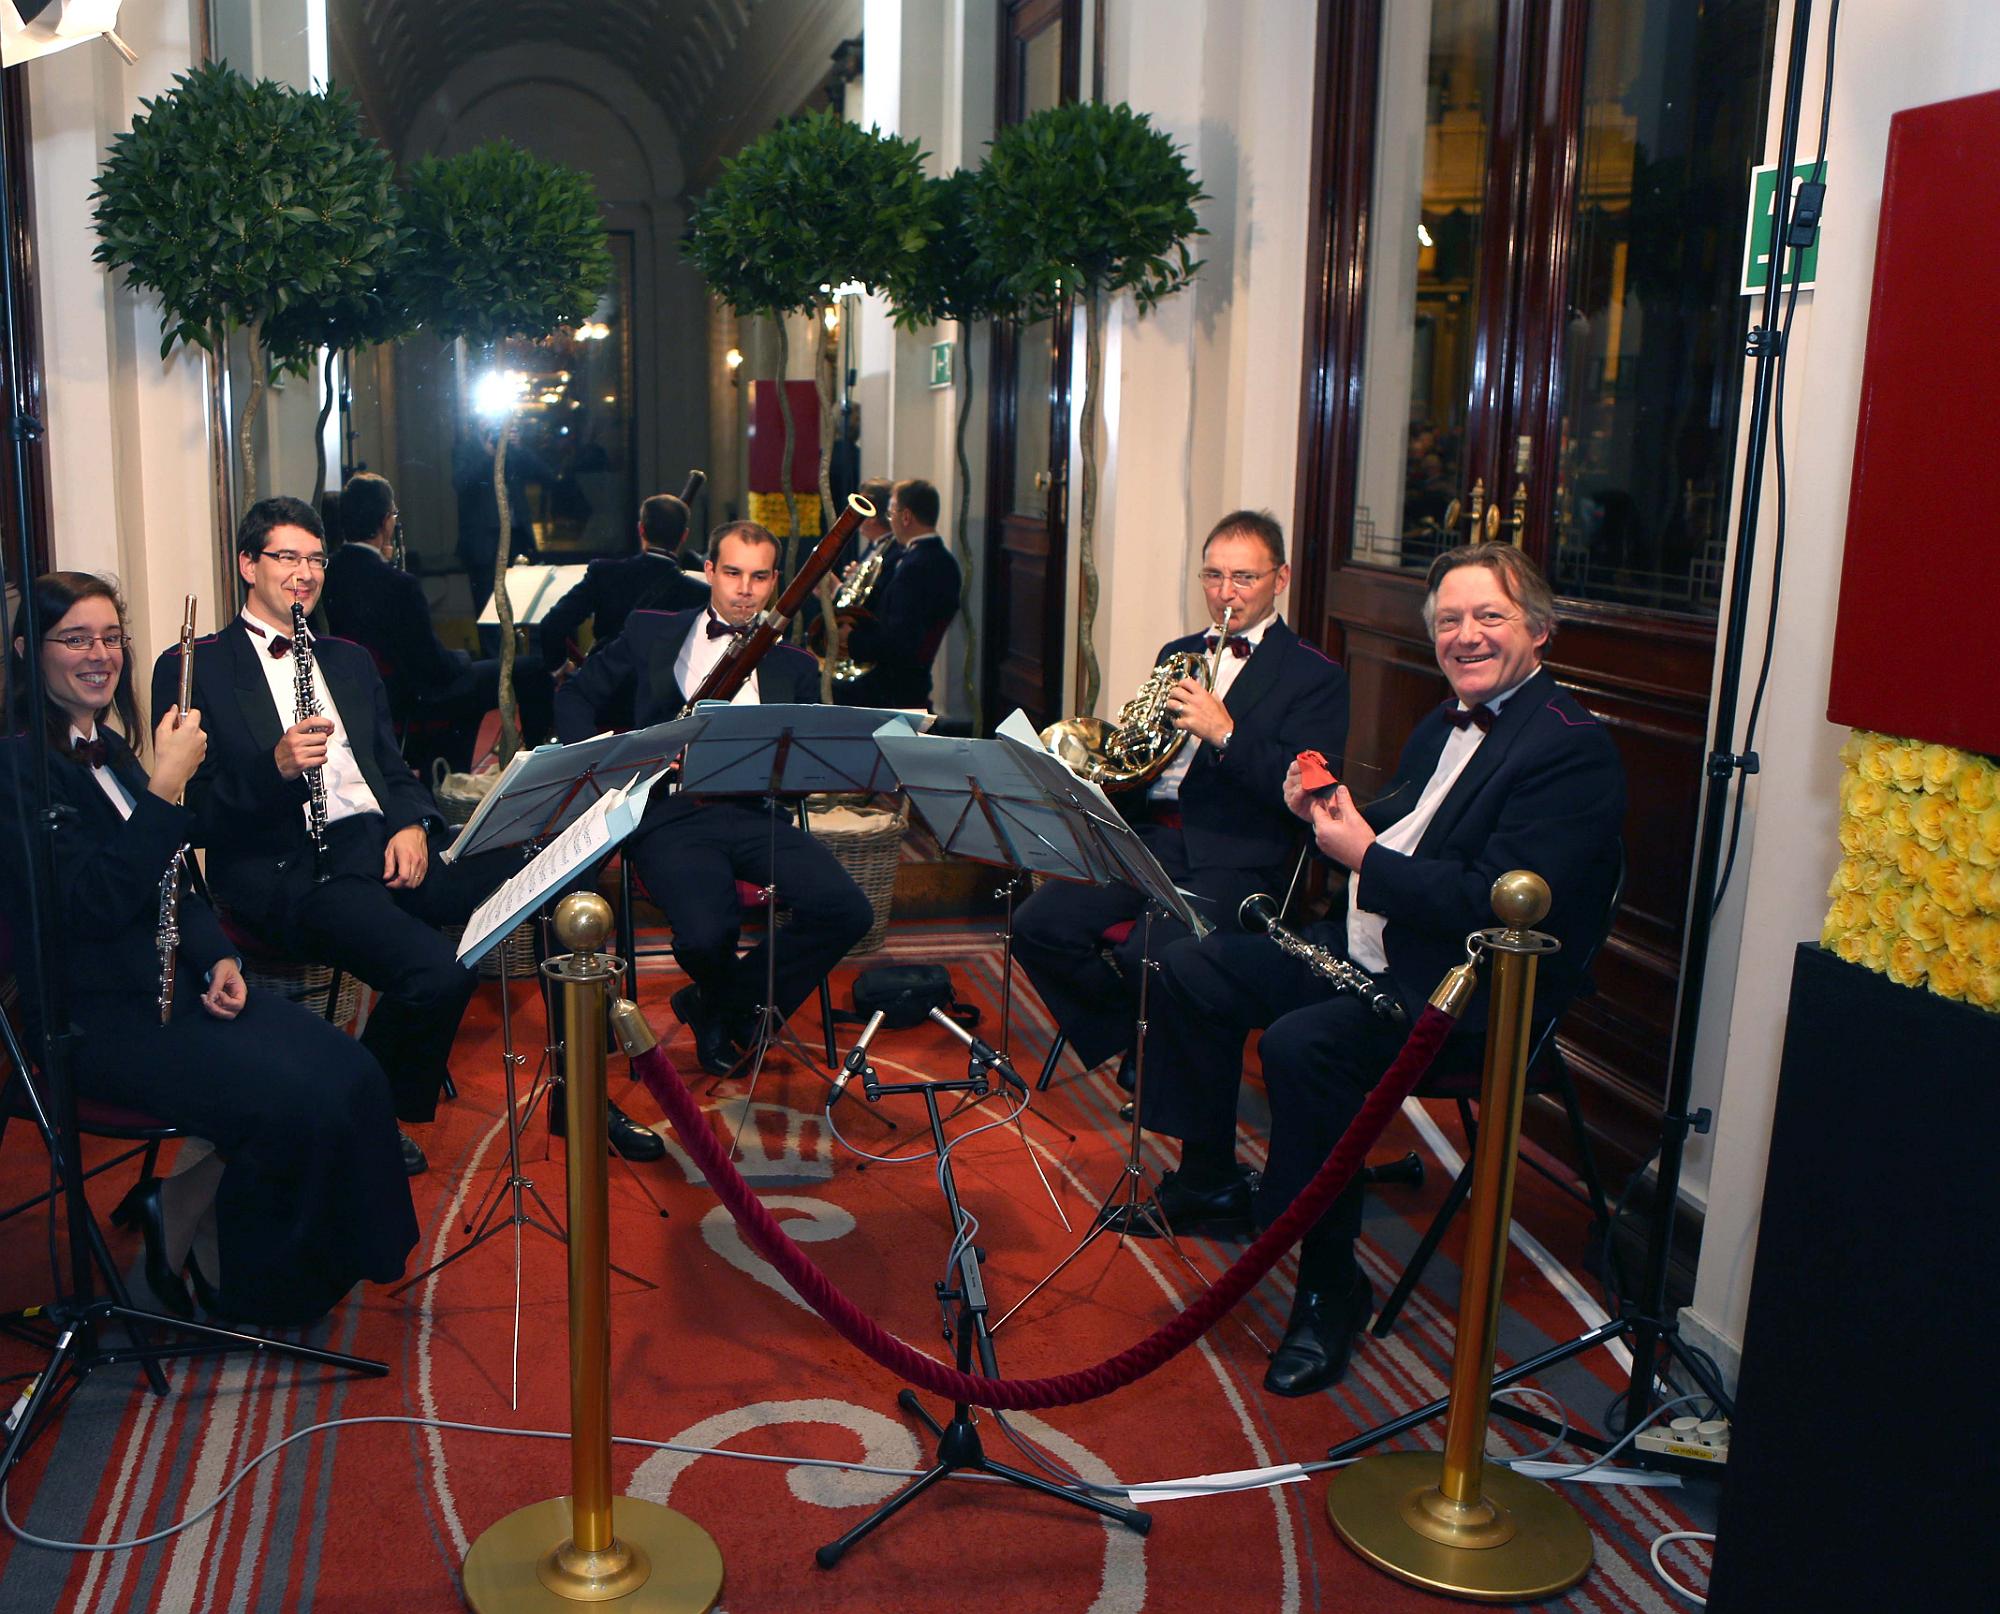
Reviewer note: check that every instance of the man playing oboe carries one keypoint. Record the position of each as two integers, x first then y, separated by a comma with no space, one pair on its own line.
373,906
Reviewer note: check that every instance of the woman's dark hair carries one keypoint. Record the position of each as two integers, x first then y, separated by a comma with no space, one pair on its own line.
55,594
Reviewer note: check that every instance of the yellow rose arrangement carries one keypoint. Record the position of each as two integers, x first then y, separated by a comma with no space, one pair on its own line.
1916,895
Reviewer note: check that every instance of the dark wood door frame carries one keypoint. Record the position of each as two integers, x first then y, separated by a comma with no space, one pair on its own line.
25,391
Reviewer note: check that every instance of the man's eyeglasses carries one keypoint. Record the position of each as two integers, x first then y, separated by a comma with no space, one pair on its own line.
1211,578
1490,619
79,642
288,558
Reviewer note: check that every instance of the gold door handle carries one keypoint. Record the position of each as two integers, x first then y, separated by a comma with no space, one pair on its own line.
1042,481
1516,524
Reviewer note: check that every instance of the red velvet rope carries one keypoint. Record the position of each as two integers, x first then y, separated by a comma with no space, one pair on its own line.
768,1236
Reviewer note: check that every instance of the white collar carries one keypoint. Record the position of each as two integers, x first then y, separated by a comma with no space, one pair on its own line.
1504,696
263,630
1253,636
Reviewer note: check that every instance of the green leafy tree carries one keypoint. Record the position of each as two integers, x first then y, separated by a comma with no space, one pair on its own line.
814,204
502,245
233,201
1087,201
955,282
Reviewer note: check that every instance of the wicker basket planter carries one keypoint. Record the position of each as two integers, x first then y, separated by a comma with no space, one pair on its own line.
867,842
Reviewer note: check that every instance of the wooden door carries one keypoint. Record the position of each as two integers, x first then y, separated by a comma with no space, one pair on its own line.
1027,459
1525,306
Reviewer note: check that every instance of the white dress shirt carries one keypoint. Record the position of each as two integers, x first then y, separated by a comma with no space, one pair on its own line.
699,656
1364,929
107,781
1168,786
347,792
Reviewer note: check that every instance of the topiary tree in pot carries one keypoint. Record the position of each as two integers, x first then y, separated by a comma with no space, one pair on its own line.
1087,201
814,204
232,202
502,245
956,282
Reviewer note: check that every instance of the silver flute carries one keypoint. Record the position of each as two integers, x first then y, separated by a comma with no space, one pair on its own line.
1259,915
167,937
303,707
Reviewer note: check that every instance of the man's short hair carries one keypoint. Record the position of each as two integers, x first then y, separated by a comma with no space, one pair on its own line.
1520,579
919,498
749,532
365,502
876,491
266,515
1258,524
663,523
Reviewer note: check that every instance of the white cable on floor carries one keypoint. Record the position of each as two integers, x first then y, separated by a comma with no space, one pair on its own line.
1660,1568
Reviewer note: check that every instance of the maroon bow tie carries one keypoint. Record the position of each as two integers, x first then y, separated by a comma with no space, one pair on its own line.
1462,718
91,753
279,647
719,629
1239,647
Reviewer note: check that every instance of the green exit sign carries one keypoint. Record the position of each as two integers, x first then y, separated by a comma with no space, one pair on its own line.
1801,268
940,364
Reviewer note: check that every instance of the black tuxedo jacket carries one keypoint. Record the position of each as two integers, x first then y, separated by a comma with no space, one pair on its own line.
911,611
638,667
1544,791
250,818
1288,698
384,610
108,868
610,592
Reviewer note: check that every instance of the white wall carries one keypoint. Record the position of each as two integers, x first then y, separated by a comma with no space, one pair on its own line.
1888,58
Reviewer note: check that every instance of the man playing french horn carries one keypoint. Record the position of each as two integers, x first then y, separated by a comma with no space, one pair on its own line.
1509,773
1215,814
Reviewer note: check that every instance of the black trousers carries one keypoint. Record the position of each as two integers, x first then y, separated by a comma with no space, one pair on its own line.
690,854
1058,931
313,1197
1322,1053
390,939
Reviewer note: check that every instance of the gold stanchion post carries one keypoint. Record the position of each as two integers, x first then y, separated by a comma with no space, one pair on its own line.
590,1546
1444,1520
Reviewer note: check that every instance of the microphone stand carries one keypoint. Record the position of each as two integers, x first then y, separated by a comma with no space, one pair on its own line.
962,1304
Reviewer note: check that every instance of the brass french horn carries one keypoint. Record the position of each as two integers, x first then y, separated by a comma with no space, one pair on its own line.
1136,749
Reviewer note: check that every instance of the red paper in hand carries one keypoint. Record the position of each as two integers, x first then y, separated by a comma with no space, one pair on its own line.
1314,775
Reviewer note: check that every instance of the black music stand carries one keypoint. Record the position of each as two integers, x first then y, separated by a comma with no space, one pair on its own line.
779,752
1007,802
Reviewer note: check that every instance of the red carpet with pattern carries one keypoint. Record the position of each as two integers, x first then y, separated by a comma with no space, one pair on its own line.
711,1349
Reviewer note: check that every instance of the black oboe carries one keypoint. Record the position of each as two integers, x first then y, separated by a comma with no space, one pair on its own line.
303,707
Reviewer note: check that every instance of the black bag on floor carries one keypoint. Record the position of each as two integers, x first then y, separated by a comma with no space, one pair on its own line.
906,994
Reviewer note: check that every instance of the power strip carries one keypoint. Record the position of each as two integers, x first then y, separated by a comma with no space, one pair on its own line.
1704,1440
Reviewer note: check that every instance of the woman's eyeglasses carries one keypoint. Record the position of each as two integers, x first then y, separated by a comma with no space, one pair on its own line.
79,643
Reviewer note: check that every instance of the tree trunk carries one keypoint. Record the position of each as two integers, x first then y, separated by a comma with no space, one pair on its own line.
961,532
510,712
1086,549
824,358
789,548
319,431
246,427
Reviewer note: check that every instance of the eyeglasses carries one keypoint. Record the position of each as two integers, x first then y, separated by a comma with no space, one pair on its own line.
1211,578
288,558
79,642
1492,618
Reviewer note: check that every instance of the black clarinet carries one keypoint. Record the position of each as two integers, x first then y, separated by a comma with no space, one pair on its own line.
1258,914
303,707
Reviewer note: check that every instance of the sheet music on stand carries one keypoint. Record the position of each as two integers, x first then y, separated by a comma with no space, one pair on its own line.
588,837
780,749
545,789
532,590
1008,802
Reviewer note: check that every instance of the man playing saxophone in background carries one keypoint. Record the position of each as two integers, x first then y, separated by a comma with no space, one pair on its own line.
1510,773
1215,818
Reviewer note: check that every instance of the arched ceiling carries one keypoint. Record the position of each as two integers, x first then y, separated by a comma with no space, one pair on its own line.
711,65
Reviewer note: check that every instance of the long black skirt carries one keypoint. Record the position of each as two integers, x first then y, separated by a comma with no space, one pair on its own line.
313,1196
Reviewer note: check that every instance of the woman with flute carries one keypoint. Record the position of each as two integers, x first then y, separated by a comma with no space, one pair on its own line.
304,1193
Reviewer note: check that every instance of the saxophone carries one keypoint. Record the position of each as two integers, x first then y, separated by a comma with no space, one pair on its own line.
1136,749
850,604
303,707
167,935
1259,916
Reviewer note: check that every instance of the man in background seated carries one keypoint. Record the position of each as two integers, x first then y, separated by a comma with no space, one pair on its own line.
911,610
611,590
690,852
370,600
1509,773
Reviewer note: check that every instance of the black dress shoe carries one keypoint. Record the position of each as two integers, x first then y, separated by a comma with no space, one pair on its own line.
1224,1208
414,1163
627,1136
1319,1339
205,1292
715,1050
141,1209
